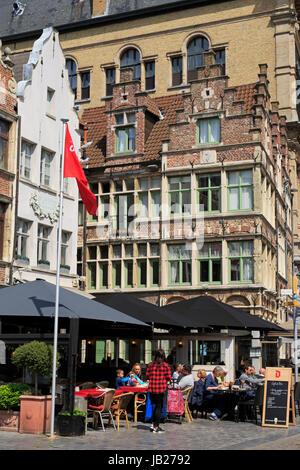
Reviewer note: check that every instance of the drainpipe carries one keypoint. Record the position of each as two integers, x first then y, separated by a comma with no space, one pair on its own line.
14,243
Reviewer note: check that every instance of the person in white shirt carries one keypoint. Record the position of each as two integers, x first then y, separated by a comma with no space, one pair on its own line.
187,380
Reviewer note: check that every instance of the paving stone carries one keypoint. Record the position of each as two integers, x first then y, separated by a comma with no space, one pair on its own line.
201,434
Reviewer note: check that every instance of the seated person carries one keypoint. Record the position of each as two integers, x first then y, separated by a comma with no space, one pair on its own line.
196,396
177,374
135,376
221,378
120,379
248,376
211,387
187,380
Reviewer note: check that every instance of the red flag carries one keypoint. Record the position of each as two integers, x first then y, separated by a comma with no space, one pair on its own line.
73,169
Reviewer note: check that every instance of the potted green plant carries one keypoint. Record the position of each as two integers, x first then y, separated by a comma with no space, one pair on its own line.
22,259
10,404
44,263
71,424
35,411
65,268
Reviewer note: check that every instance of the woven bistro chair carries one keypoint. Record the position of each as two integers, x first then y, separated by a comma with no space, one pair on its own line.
187,411
101,408
121,403
140,399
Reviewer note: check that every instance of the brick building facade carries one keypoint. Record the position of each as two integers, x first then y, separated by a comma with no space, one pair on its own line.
8,132
153,161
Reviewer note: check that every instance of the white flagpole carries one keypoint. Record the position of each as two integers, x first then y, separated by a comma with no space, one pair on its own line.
64,122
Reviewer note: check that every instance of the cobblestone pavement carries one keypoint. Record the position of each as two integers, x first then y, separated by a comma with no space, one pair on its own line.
201,434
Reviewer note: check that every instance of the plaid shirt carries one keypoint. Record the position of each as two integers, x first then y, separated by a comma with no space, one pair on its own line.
158,375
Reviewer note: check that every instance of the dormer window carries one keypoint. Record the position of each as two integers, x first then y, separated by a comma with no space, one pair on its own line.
125,132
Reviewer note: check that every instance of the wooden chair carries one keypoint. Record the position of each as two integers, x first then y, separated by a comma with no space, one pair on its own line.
140,400
120,404
102,408
187,411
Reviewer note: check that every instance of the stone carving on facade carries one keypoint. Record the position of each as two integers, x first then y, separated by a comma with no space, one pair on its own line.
43,213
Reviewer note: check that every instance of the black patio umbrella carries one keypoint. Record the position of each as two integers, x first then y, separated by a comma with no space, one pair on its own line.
37,299
145,311
207,309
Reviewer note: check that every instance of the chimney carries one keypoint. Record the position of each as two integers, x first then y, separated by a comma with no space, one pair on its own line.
99,7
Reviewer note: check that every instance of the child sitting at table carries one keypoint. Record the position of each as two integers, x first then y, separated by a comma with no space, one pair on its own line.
120,379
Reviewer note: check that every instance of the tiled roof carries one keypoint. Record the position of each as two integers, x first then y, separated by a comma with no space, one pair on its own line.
246,93
95,119
167,105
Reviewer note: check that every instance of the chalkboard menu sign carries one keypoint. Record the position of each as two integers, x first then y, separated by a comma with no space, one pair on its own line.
278,400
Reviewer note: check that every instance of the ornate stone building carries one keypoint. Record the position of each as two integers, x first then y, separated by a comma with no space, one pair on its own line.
158,165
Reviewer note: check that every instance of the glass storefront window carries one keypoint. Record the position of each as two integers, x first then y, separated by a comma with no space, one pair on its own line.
206,352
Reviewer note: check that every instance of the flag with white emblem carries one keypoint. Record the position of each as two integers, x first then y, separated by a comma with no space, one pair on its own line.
73,169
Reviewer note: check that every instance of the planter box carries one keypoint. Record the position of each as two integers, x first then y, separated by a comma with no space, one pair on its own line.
71,425
9,420
64,271
44,266
35,414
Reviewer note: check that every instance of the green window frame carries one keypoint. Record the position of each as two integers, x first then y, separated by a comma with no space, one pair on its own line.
239,190
142,272
208,131
209,192
154,272
125,139
117,273
128,265
179,194
104,207
180,265
241,262
103,274
210,263
92,275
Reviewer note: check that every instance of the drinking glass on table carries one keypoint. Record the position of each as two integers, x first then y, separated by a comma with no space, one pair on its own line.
242,383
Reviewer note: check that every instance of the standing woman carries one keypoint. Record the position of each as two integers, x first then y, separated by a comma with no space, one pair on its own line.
159,374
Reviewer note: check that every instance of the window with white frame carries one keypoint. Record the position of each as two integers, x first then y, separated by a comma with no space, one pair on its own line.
45,167
23,230
26,159
65,240
43,243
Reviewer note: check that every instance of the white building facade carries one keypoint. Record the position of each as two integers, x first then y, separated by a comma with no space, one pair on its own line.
44,98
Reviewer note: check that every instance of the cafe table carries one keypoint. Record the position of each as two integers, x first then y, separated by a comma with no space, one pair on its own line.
232,395
140,398
94,392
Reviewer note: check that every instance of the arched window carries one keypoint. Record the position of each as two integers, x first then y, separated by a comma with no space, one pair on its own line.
72,71
131,58
195,50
